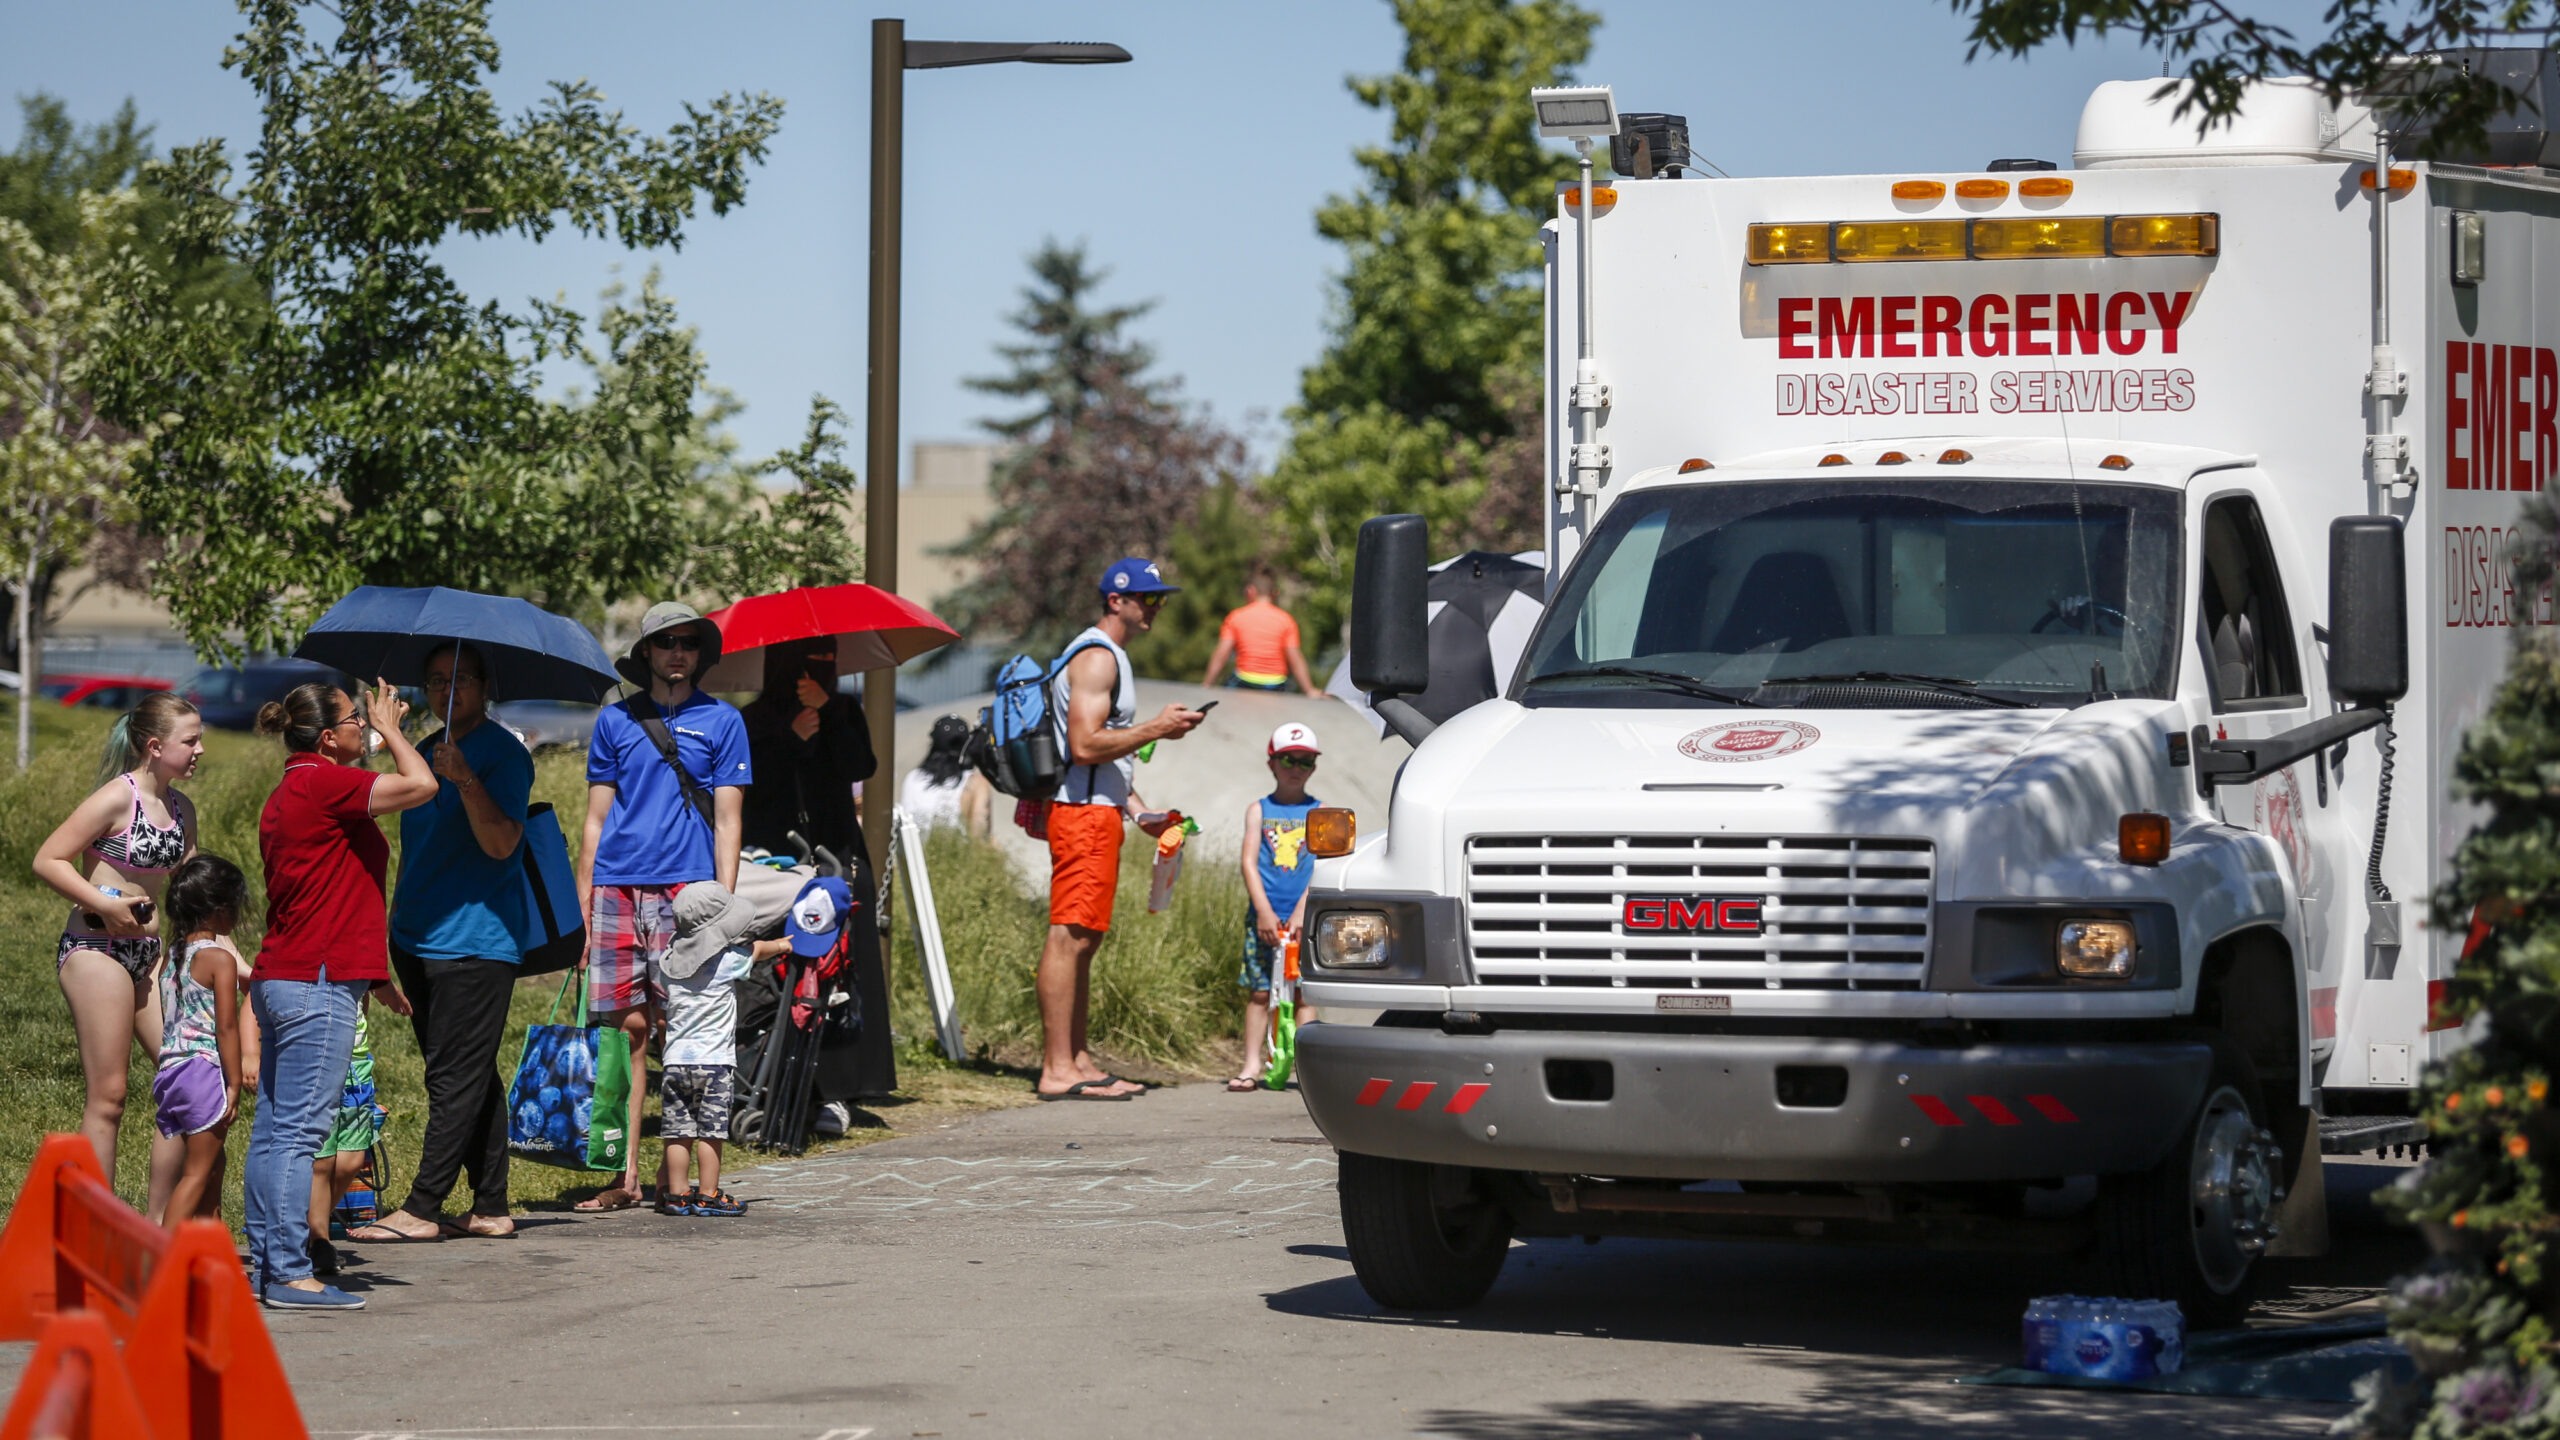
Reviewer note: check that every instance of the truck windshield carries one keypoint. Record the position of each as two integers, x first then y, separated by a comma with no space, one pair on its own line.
1868,594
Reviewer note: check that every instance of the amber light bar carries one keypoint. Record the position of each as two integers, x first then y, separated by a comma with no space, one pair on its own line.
2006,237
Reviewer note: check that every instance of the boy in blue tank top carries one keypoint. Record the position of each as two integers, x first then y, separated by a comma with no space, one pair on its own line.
1277,868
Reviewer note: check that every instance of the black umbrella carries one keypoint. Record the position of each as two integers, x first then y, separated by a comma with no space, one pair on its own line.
1482,608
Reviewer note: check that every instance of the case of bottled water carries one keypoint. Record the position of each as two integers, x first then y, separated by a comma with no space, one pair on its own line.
2103,1338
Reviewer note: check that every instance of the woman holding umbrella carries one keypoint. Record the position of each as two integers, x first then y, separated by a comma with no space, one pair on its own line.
809,745
454,924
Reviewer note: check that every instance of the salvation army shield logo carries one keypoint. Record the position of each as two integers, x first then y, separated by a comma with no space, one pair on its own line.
1748,740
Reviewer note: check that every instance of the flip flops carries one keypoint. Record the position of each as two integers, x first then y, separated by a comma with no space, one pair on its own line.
1242,1084
1082,1090
390,1236
452,1231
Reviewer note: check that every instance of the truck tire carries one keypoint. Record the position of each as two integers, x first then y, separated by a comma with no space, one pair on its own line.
2190,1228
1417,1244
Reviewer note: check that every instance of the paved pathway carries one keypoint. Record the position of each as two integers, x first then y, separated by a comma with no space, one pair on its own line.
1168,1267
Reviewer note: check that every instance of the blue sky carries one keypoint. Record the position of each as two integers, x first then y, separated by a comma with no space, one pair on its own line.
1193,173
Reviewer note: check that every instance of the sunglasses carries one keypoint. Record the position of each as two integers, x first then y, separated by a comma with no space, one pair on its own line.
1297,762
447,682
675,642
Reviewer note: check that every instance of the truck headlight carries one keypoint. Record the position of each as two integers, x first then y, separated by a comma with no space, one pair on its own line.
2094,949
1354,940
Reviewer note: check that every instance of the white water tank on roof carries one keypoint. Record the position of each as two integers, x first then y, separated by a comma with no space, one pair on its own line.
2134,124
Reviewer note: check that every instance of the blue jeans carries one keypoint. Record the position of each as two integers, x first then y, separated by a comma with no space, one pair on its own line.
309,1029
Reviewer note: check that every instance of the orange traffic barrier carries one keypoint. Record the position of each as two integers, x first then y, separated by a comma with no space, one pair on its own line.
196,1347
27,1278
199,1353
75,1387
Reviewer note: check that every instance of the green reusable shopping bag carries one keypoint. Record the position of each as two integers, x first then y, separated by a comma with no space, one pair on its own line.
572,1091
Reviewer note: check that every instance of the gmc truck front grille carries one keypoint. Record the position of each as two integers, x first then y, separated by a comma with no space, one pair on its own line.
1823,912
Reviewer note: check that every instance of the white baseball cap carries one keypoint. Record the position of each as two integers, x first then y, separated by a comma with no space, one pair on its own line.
1294,736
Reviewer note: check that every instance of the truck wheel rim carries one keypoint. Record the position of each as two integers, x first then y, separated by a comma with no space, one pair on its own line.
2231,1191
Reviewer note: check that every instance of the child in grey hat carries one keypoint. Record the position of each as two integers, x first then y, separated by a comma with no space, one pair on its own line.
702,967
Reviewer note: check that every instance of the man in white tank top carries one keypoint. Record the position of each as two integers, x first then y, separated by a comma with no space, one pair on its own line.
1094,694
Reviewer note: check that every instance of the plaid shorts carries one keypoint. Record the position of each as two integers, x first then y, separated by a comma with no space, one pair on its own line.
628,937
1261,960
693,1102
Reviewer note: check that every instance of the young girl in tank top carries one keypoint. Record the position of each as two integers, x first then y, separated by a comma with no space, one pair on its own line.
197,1088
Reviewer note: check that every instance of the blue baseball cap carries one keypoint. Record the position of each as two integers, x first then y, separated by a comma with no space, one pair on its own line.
819,914
1135,576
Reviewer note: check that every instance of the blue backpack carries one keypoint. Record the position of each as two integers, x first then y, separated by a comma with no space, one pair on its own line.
1019,744
1016,746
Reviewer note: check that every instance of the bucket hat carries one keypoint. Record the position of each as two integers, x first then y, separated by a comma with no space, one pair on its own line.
709,919
664,616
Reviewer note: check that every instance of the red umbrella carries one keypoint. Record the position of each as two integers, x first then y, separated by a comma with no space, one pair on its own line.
873,630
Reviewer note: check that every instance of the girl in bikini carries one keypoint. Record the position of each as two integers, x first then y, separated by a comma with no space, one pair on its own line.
110,859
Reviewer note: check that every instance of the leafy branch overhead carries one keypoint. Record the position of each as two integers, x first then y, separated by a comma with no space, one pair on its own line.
2365,49
379,425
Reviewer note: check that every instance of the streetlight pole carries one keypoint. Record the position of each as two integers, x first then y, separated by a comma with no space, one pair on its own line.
892,56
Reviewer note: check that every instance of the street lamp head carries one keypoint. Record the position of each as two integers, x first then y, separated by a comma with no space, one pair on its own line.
946,54
1575,112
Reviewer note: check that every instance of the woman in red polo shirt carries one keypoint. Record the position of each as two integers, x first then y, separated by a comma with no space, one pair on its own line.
327,944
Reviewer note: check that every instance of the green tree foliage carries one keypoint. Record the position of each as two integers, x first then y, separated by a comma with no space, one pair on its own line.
2478,1320
1107,462
1430,380
2360,52
378,425
44,183
62,464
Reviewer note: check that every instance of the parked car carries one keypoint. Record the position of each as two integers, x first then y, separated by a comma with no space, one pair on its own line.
543,724
228,696
108,692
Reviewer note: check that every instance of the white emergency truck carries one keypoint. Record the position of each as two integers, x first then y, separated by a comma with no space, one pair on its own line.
1981,769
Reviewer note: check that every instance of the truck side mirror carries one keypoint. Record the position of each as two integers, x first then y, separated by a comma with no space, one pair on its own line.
2368,610
1390,648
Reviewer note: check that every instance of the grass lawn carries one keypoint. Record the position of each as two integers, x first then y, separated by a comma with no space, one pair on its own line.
1164,990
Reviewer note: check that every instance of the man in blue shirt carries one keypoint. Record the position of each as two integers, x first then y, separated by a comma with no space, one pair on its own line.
650,831
454,923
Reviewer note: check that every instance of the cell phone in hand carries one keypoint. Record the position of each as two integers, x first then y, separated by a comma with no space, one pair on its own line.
1212,705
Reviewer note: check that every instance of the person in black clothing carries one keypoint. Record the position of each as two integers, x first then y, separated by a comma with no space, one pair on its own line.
809,745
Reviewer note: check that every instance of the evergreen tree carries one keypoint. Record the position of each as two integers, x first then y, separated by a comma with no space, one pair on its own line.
1106,463
1426,399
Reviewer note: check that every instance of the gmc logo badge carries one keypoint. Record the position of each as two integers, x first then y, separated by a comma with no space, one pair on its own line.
1671,915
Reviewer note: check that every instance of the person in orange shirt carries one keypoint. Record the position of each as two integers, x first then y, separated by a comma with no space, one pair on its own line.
1262,640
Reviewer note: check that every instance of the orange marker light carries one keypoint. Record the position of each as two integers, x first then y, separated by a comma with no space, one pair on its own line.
2142,838
2400,179
1331,831
1606,195
2044,187
1919,189
2115,462
1693,465
1983,189
1955,457
1833,460
1893,457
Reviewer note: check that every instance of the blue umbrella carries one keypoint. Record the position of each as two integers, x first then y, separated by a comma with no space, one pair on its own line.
380,631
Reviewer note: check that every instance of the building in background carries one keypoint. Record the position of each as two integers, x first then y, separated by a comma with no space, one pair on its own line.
950,490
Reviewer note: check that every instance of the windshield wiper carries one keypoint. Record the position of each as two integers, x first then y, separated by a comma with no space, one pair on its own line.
1685,684
1943,684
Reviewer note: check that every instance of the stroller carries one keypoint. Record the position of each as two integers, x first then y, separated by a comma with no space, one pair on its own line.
788,1010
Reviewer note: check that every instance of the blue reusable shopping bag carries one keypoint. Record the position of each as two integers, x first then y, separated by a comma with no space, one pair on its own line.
572,1091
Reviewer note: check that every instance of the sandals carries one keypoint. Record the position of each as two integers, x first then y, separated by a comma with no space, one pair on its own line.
453,1230
390,1236
1242,1084
1082,1090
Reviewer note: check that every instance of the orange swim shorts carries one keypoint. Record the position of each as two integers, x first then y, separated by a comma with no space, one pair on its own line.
1084,864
